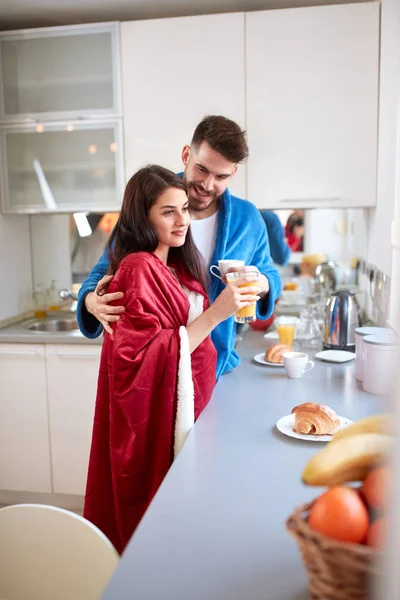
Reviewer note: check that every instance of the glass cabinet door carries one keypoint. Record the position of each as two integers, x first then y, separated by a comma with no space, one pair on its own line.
61,72
62,167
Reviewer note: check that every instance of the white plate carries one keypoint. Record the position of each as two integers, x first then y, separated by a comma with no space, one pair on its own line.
286,424
259,358
272,335
337,356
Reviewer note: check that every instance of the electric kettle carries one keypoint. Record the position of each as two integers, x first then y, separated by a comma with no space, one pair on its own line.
325,277
342,316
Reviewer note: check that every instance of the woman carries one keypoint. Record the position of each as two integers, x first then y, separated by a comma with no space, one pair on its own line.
157,370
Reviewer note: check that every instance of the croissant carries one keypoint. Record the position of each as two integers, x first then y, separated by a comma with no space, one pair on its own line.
315,419
274,354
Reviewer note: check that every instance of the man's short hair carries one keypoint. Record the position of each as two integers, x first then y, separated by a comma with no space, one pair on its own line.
224,136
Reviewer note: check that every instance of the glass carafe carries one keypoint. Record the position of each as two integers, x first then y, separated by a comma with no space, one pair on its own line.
308,333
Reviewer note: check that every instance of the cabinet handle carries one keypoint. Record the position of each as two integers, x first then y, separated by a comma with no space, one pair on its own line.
319,199
71,355
16,353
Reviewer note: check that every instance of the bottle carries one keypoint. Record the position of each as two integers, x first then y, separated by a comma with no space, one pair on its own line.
39,298
53,298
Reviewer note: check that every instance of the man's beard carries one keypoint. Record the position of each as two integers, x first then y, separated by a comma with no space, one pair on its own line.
201,204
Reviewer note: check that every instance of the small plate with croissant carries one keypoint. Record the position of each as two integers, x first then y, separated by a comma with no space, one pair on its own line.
273,356
312,421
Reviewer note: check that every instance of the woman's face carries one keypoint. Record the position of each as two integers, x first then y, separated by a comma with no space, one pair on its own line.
170,217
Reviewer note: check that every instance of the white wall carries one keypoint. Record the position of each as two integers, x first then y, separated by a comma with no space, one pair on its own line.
326,232
15,266
380,249
395,292
341,234
51,250
358,226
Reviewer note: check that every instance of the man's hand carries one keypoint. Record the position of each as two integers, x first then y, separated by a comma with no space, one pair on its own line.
97,304
263,283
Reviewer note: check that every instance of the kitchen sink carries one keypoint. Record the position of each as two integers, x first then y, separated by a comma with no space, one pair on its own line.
54,325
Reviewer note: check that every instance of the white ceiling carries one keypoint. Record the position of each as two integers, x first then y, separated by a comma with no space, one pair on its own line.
19,14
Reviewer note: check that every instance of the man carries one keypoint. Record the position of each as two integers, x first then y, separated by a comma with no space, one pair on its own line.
223,227
279,250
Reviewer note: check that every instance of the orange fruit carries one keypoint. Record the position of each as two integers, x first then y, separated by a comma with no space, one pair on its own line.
361,493
377,533
339,513
377,487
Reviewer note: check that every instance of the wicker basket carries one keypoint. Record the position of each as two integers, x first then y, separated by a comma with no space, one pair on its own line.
336,570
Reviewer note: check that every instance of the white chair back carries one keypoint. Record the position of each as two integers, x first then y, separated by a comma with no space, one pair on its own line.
48,553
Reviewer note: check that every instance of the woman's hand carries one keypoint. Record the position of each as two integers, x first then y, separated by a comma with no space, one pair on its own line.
234,297
230,300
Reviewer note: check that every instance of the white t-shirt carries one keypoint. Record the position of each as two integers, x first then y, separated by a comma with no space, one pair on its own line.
204,232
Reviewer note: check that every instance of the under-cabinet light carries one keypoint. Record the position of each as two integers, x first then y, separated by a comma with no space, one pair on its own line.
82,224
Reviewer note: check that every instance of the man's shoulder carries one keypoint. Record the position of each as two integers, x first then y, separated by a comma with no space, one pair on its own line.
245,206
270,217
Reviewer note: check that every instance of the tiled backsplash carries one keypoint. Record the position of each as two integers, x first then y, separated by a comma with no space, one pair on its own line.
377,286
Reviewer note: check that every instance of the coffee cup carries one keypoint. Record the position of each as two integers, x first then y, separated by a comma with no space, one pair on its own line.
296,364
224,265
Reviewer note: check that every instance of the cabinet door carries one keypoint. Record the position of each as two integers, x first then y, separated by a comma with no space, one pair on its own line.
51,167
72,373
60,72
24,426
312,105
175,72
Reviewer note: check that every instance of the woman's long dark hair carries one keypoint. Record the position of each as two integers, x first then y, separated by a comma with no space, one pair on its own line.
133,231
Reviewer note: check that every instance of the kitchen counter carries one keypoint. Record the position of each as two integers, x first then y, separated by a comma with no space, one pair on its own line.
19,334
216,528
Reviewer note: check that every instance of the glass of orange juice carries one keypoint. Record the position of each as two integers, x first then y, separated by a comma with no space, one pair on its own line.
246,314
286,327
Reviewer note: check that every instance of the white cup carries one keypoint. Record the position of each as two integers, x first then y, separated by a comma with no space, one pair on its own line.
296,364
224,265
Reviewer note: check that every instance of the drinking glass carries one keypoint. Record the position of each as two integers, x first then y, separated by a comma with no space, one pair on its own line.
248,313
286,327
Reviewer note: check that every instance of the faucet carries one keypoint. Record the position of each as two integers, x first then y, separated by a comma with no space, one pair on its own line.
67,294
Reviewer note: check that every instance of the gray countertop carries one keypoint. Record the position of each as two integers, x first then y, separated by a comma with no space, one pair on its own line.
20,334
216,528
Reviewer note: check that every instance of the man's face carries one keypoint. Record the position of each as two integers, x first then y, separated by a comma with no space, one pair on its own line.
207,174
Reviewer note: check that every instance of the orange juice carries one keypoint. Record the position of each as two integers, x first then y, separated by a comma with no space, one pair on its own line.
286,334
286,328
247,314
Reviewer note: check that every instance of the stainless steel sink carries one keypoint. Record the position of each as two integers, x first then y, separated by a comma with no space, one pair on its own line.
54,325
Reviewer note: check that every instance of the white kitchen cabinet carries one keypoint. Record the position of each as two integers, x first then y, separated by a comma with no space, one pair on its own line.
312,106
72,373
24,425
175,72
62,167
60,72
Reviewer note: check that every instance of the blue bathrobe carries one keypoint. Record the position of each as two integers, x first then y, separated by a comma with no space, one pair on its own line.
241,234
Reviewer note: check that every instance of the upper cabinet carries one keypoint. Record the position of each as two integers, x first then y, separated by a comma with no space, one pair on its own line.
63,72
176,71
61,144
62,167
303,82
312,106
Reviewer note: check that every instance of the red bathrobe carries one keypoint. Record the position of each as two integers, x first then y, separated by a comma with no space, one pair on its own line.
133,430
